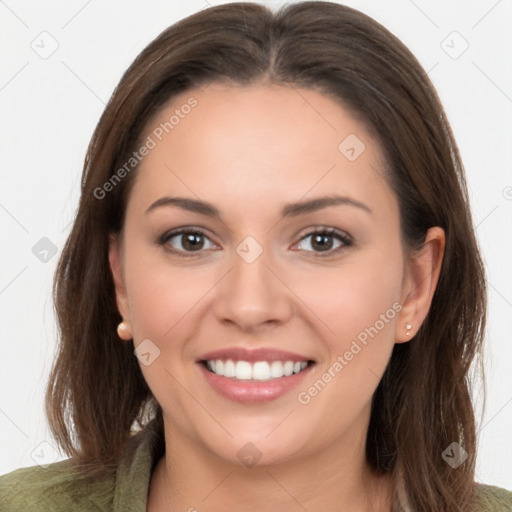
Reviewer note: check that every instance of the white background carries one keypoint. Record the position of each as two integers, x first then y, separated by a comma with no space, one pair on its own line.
49,108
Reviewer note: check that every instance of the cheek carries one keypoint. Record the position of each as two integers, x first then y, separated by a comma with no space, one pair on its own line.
163,299
351,298
162,295
360,303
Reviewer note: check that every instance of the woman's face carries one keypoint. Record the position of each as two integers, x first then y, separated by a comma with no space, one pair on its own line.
260,283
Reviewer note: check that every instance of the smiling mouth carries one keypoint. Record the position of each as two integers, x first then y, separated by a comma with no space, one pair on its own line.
258,371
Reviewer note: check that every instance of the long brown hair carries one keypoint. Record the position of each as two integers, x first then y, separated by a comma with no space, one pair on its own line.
96,393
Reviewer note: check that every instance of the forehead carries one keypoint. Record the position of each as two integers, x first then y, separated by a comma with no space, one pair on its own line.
262,142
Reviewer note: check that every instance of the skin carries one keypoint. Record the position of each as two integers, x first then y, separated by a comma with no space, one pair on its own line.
248,151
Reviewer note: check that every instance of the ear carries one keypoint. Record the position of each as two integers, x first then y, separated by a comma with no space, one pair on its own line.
421,276
115,261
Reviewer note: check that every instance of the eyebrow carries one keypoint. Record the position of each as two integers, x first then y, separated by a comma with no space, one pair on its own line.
288,210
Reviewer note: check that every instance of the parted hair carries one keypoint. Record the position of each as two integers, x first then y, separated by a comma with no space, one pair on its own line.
96,395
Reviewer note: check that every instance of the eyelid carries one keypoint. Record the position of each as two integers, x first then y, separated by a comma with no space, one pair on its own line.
326,230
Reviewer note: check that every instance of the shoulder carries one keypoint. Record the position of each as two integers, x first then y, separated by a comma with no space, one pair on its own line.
57,487
61,486
490,498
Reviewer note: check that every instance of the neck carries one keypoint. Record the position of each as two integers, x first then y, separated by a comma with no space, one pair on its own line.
189,478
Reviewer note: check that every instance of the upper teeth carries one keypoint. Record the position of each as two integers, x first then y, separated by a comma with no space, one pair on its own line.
261,370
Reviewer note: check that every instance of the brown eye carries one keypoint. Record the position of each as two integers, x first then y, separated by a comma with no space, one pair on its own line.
325,240
192,241
186,241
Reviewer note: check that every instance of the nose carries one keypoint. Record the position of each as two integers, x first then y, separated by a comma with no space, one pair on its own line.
253,294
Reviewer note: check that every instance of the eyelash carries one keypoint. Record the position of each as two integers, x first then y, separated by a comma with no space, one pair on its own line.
340,235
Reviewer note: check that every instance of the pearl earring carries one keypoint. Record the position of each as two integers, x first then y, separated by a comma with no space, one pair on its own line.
122,331
408,327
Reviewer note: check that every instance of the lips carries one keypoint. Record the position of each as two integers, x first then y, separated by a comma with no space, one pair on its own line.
253,375
254,355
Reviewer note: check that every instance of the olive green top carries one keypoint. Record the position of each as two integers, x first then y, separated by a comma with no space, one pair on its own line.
59,487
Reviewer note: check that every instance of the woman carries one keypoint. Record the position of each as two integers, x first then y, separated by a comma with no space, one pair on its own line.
274,215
